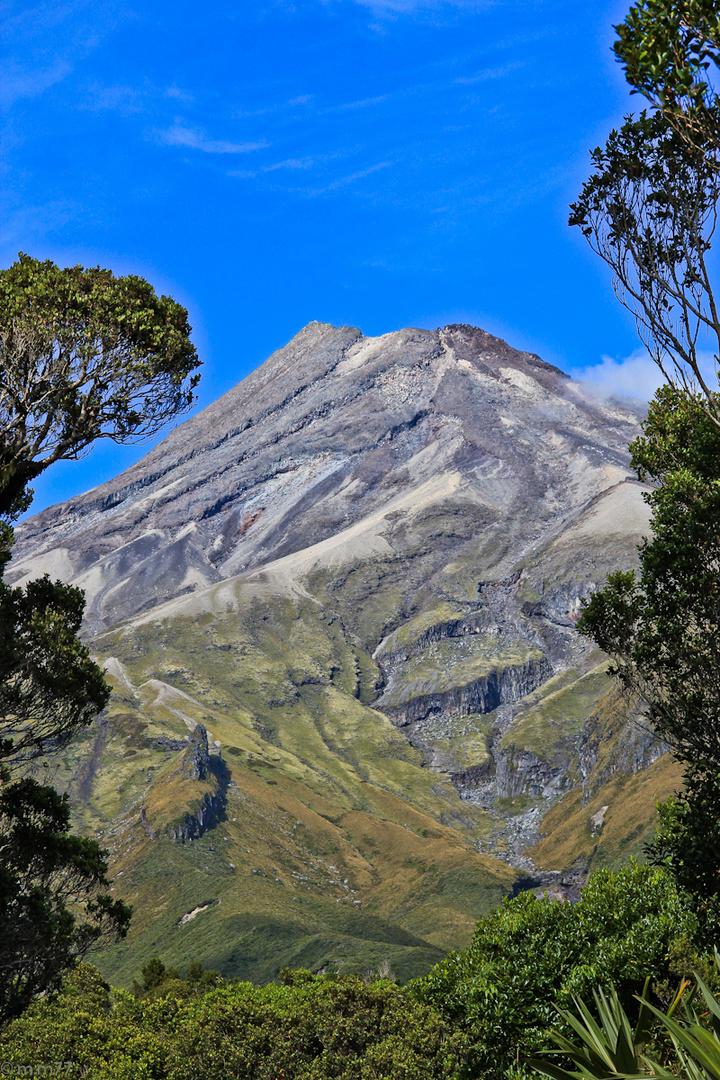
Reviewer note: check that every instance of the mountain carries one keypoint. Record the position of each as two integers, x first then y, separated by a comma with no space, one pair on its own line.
358,574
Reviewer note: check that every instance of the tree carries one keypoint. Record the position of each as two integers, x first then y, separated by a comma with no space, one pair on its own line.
307,1028
532,952
661,625
53,900
669,50
649,210
49,686
83,355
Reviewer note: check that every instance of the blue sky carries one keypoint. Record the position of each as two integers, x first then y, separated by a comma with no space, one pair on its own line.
380,163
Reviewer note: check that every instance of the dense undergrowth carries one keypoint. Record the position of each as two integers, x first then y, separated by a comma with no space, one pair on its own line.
485,1012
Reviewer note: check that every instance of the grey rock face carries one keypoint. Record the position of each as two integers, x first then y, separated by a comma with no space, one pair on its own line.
195,761
206,817
419,442
446,499
499,687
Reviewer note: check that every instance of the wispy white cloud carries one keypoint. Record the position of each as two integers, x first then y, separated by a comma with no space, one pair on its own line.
126,99
490,73
179,94
34,223
310,163
344,181
636,376
18,82
408,7
289,163
363,103
116,98
196,139
276,107
44,42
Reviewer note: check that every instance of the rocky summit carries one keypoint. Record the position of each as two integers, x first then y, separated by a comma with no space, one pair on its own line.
359,572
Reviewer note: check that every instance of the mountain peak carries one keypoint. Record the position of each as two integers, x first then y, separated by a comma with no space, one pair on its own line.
334,432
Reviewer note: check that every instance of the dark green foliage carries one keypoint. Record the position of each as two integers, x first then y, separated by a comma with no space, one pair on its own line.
83,355
310,1028
533,952
669,50
687,841
662,626
650,211
49,686
160,981
682,1040
46,877
595,1050
54,903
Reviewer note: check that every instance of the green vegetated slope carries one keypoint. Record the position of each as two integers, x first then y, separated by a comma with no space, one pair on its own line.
613,770
331,839
609,815
335,845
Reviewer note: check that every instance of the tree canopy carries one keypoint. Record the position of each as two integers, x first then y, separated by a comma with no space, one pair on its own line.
649,210
54,903
670,51
661,625
49,686
84,355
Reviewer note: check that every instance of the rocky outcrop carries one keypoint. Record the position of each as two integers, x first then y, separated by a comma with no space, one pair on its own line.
483,695
198,821
524,773
190,799
195,761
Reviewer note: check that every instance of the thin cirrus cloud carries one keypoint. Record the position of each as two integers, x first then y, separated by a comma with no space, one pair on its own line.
344,181
196,139
309,163
289,163
126,99
490,73
118,98
20,83
408,7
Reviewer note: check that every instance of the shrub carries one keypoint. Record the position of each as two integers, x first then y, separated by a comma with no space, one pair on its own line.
532,952
310,1028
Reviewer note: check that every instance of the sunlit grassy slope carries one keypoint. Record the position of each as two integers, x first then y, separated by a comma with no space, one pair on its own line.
337,846
570,836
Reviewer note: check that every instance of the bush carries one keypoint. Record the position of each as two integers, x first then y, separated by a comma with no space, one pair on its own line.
310,1028
531,953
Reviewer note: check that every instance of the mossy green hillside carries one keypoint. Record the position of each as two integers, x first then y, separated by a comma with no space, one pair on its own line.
286,879
570,837
276,682
454,663
548,722
336,841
